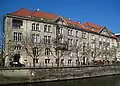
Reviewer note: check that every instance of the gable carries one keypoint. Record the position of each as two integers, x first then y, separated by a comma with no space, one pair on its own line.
105,32
60,20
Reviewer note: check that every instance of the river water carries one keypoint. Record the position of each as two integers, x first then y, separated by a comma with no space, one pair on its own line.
98,81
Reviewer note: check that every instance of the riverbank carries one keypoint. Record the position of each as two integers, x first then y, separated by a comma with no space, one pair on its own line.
31,75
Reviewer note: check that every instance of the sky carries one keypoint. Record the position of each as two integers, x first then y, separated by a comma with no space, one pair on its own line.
101,12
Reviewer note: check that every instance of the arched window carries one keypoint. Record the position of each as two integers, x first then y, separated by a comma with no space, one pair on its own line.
49,28
33,26
37,27
45,28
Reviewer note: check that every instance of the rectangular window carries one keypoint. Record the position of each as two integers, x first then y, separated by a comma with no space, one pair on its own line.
47,61
35,51
17,36
45,39
71,33
35,38
47,51
49,37
17,47
76,33
83,35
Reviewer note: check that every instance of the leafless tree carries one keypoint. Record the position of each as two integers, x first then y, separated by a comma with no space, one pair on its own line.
60,49
34,49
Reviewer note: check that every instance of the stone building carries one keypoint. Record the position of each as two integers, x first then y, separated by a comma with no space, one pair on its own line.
50,40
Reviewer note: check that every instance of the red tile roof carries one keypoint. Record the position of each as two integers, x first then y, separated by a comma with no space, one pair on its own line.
44,15
22,12
87,26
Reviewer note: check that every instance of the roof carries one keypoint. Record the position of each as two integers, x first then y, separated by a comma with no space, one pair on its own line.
22,12
89,26
86,26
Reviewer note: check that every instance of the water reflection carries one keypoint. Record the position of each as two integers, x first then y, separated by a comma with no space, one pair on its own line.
99,81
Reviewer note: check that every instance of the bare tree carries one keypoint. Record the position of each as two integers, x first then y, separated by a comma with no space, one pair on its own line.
60,49
34,49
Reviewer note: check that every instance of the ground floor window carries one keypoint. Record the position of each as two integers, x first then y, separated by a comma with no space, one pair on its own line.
47,61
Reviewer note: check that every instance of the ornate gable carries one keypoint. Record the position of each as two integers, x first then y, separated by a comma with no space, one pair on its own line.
60,20
105,32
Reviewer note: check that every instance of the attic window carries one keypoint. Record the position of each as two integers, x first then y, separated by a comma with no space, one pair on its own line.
16,24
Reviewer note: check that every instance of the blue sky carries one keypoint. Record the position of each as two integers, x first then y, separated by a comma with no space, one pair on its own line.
101,12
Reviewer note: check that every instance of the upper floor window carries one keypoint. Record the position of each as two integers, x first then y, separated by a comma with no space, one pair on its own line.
17,47
47,51
17,36
47,28
83,35
35,27
35,38
76,33
35,51
16,24
47,39
70,32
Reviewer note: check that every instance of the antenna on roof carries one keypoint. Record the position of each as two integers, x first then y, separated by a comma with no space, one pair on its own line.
69,18
38,9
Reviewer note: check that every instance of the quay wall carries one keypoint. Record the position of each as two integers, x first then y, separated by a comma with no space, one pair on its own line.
45,74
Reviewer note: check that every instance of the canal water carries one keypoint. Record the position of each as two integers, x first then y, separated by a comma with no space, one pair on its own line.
98,81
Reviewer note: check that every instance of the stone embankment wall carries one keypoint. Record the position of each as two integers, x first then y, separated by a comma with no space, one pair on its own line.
29,75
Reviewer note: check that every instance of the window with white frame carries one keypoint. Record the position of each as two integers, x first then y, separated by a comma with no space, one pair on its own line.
76,33
70,32
35,51
47,51
47,39
36,38
83,35
17,47
35,27
69,61
17,36
47,61
47,28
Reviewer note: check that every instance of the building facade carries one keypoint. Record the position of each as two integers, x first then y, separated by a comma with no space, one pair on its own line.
45,39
